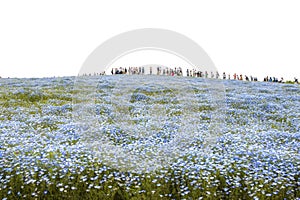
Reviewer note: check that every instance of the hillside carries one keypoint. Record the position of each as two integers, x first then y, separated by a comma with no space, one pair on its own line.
141,137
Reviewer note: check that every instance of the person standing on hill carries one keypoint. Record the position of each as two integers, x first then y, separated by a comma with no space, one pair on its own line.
143,70
281,80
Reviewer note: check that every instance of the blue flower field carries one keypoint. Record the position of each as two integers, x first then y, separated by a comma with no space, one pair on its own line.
169,138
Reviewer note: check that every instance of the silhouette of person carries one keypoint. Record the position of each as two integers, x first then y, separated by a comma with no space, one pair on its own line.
234,76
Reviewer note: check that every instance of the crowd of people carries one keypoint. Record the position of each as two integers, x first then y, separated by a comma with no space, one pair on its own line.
148,70
177,71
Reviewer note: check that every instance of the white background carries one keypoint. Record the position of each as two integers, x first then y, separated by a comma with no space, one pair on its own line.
53,38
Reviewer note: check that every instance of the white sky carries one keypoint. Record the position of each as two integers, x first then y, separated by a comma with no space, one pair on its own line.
53,38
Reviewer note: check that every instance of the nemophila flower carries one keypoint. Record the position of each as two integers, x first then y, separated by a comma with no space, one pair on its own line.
258,140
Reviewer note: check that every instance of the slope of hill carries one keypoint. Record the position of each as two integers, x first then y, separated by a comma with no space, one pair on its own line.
141,137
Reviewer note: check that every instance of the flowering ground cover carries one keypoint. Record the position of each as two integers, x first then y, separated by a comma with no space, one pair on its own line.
47,152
